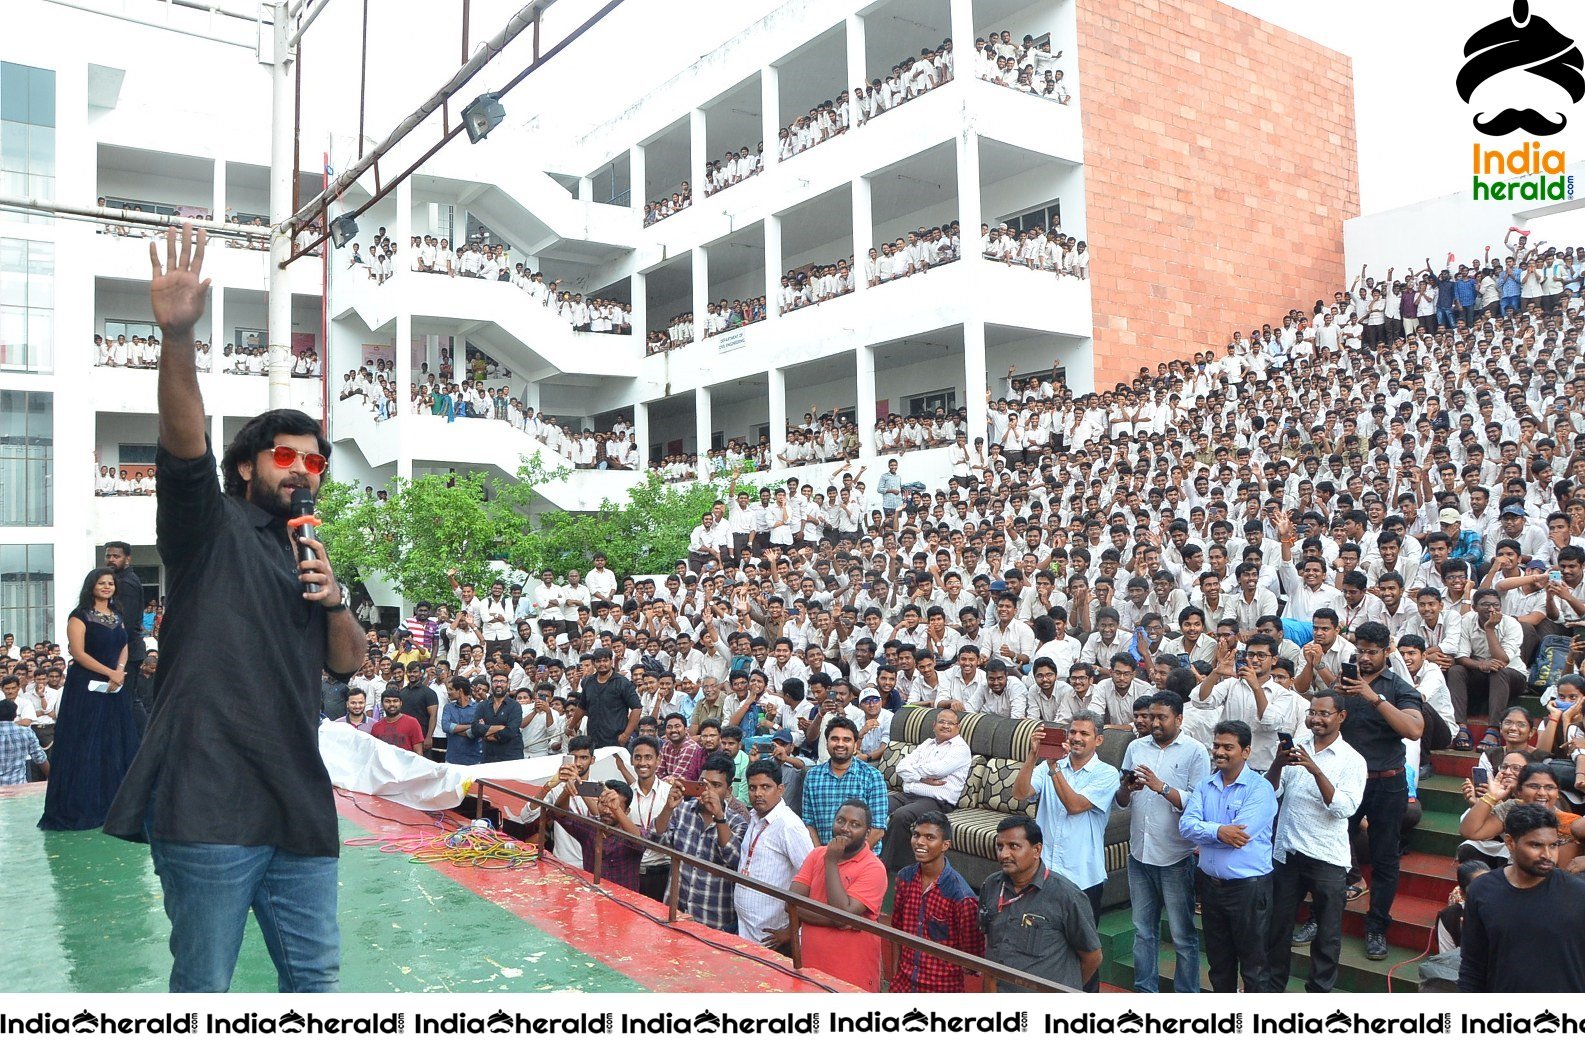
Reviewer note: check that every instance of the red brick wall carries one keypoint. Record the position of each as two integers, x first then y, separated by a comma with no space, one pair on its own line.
1219,167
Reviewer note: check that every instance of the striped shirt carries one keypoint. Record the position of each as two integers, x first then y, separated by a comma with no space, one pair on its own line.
702,895
824,792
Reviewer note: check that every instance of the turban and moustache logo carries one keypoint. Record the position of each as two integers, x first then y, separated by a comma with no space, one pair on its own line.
1526,42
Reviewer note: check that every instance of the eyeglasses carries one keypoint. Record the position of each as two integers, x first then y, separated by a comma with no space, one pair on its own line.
286,457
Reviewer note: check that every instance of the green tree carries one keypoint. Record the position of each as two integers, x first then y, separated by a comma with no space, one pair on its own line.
435,523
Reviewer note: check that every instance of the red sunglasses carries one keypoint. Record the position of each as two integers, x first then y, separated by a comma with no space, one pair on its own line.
285,457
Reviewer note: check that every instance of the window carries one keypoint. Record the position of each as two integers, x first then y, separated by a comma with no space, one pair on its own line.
1060,374
250,338
126,453
27,453
27,135
1047,216
27,591
130,329
152,207
926,404
27,305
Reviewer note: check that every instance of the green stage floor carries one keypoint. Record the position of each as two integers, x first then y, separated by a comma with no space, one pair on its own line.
85,915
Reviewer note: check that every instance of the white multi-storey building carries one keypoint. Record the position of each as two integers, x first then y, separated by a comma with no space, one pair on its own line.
88,114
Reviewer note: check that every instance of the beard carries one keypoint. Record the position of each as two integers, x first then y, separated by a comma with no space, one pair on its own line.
274,500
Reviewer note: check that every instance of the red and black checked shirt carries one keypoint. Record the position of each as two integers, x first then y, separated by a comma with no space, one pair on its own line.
947,913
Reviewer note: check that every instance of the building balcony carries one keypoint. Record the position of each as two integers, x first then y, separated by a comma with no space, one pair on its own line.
135,390
970,290
523,335
465,443
129,518
127,258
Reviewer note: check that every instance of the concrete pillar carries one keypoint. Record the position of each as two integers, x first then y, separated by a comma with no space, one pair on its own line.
586,189
962,24
404,377
769,110
975,381
858,68
701,289
864,405
773,264
221,203
703,424
638,196
696,153
777,382
863,231
638,288
531,395
970,211
219,335
641,432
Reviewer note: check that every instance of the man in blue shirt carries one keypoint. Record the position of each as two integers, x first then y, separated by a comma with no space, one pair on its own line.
1074,796
831,783
1230,818
463,746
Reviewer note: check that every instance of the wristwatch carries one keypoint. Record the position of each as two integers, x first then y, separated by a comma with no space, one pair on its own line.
345,595
719,820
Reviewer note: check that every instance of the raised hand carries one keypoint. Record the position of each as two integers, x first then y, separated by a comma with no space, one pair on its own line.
177,292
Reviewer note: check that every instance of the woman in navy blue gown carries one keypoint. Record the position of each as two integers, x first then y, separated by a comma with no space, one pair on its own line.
95,736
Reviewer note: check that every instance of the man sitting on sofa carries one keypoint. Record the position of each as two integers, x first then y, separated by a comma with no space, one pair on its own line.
932,776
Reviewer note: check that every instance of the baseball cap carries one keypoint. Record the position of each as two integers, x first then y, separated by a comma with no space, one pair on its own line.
782,736
1512,510
1449,515
1536,565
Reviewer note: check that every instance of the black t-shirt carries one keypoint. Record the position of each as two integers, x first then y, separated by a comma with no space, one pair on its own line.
416,701
233,594
608,704
1366,729
507,745
1523,940
129,602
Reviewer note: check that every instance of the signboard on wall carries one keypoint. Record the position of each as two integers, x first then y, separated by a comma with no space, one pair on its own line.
729,341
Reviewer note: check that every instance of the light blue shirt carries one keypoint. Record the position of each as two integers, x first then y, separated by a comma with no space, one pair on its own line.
1153,836
1251,801
1075,843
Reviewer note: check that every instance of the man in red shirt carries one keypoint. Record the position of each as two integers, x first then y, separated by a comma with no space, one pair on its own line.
847,875
396,728
934,902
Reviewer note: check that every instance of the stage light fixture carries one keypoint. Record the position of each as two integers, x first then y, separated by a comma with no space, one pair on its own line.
482,115
342,229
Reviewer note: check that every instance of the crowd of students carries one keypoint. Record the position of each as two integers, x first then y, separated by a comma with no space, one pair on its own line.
1029,67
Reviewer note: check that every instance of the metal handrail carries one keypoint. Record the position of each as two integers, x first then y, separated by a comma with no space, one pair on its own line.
990,972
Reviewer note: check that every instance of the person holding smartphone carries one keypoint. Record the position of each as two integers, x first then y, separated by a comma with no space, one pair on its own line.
1320,780
1383,711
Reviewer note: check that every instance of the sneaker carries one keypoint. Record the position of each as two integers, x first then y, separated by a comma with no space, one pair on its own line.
1375,945
1304,933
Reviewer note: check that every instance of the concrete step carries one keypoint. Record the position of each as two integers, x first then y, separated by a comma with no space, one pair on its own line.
1443,794
1413,919
1355,972
1427,875
1436,834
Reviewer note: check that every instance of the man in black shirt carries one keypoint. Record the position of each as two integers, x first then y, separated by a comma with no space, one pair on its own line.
499,722
611,702
1524,926
237,810
1383,711
129,600
418,699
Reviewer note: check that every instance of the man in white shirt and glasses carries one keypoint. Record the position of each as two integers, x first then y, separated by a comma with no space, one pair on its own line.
1320,781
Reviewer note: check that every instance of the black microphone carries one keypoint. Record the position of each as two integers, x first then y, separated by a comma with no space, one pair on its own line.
302,525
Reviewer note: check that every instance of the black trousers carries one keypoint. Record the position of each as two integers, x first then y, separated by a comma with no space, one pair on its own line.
1326,884
1234,917
652,882
1094,895
897,851
1382,807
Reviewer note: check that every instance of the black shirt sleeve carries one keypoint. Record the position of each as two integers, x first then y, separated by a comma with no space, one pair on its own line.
1473,948
190,505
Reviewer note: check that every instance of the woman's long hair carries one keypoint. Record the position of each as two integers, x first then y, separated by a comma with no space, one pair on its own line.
85,598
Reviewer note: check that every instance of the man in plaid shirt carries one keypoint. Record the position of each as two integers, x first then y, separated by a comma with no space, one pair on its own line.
831,783
18,744
934,902
709,827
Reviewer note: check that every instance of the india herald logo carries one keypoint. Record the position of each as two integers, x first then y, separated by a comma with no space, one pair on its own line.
1531,43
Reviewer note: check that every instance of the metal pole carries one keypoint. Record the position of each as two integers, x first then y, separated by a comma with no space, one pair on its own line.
282,178
123,217
297,36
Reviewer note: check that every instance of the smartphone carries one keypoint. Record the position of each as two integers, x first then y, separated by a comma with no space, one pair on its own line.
590,789
1555,576
1052,742
1480,776
1349,669
1284,741
1239,661
692,788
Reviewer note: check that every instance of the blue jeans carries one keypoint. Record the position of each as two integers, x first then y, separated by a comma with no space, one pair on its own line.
1444,317
1510,304
1149,889
209,889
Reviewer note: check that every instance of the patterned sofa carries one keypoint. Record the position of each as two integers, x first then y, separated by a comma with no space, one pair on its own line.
1000,746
